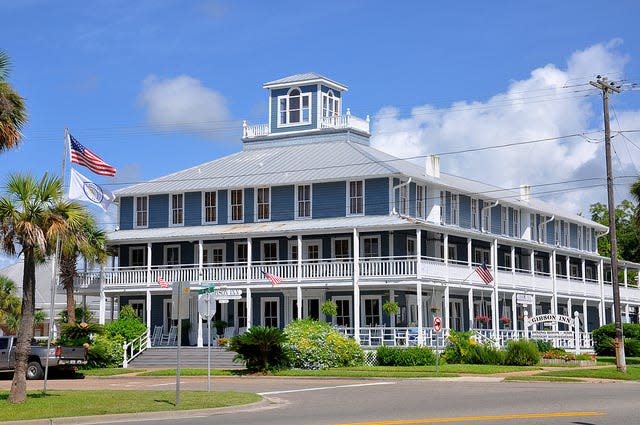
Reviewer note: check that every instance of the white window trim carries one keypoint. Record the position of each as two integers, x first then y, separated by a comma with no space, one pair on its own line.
167,321
236,319
144,307
362,238
567,234
363,309
403,198
287,96
204,208
256,203
265,300
420,201
333,246
344,298
349,213
181,207
213,246
455,209
504,217
337,103
230,206
474,214
270,241
297,203
484,253
165,250
235,251
415,244
305,245
135,213
144,255
515,222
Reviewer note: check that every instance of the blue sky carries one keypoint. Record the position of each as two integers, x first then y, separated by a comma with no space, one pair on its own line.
157,86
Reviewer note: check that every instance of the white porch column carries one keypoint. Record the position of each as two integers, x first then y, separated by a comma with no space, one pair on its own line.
249,307
569,307
356,287
419,308
554,287
469,253
200,262
601,304
445,308
148,263
470,307
514,312
249,255
392,318
299,260
626,313
103,298
494,299
584,315
446,249
532,262
583,265
513,259
148,308
299,301
419,252
533,310
626,278
568,267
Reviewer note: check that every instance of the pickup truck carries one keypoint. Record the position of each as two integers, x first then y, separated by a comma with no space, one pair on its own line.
60,357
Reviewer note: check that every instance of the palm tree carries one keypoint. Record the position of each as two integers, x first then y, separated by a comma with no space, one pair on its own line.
13,112
32,215
635,192
9,303
86,241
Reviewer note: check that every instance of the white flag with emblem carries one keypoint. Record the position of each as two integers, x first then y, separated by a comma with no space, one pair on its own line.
83,189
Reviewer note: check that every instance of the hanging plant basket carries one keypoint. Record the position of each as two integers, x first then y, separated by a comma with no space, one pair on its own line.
390,308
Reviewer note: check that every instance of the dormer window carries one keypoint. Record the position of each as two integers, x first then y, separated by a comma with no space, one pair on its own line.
294,108
330,105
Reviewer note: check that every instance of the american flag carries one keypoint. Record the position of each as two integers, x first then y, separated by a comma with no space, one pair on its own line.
83,156
163,283
274,279
484,273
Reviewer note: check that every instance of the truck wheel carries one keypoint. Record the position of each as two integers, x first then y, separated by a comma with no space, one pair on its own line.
34,370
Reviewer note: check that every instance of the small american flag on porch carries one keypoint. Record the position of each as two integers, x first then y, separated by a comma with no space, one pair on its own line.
163,283
484,273
274,279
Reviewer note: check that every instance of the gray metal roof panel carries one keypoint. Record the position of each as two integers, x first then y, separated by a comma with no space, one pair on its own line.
302,78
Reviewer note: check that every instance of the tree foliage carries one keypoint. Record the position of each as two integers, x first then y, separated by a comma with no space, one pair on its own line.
261,348
627,230
13,112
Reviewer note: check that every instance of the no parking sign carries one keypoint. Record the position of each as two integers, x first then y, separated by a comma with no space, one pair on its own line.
437,323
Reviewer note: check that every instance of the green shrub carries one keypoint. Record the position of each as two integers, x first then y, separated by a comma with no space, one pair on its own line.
604,336
631,347
329,308
484,354
261,349
522,352
410,356
543,345
105,352
318,345
127,326
458,347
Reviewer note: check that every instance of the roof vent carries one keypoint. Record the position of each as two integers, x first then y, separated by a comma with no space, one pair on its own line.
433,166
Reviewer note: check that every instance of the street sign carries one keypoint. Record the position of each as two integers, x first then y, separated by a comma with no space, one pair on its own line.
207,306
227,294
180,300
437,323
524,299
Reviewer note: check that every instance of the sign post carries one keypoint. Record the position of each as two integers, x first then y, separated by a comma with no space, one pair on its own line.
206,310
437,327
179,311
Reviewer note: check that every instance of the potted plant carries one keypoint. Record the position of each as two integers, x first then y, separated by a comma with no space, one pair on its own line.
434,309
329,308
220,326
390,307
482,319
505,320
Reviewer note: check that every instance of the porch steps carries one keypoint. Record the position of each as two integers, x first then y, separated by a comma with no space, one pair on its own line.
190,357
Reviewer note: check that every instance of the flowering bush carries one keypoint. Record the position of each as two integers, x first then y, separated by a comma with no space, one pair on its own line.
318,345
482,318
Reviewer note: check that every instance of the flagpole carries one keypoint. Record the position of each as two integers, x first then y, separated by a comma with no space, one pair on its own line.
54,277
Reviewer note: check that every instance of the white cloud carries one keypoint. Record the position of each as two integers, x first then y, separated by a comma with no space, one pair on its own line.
552,102
184,104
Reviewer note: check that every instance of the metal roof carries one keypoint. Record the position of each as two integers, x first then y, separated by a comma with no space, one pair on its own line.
307,77
272,228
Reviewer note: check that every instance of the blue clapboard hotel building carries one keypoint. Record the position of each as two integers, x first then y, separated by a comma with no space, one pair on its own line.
309,200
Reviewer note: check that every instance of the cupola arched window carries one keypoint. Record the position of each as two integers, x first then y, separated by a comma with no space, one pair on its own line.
294,108
330,105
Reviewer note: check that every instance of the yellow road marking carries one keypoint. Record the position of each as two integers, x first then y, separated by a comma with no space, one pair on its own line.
479,418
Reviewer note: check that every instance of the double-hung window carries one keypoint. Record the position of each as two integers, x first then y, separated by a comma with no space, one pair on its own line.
137,256
504,215
270,251
172,255
404,198
454,209
356,198
236,205
486,218
420,201
566,234
303,201
142,211
515,222
177,209
341,248
263,203
371,246
474,214
294,108
210,206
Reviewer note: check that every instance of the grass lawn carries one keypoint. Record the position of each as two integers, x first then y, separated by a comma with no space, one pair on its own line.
108,371
84,403
192,372
603,360
633,373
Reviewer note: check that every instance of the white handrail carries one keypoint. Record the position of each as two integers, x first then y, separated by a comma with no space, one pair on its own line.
134,348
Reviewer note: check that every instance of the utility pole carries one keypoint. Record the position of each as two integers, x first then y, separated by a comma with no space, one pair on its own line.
606,87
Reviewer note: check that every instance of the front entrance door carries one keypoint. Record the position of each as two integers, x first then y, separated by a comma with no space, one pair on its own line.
455,314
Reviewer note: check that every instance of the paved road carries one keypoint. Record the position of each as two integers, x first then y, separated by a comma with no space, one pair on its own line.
320,401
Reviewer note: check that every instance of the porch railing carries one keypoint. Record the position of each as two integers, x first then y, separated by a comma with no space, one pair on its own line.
134,348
